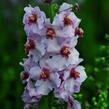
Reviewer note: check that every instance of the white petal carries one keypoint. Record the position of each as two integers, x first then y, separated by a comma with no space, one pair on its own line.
35,72
54,77
77,87
76,105
64,95
28,9
65,6
53,61
73,57
32,92
66,75
28,64
75,20
43,87
52,45
61,94
68,41
69,85
35,55
41,47
82,72
67,31
58,20
56,63
73,41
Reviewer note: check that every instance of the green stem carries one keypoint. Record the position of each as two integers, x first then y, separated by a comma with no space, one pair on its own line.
50,98
51,13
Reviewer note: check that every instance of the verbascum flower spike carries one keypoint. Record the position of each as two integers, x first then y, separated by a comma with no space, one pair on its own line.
52,62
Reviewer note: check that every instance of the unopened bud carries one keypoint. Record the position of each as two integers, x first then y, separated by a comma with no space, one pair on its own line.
76,7
79,32
24,75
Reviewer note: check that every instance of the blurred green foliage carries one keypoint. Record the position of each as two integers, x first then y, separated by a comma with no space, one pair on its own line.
93,48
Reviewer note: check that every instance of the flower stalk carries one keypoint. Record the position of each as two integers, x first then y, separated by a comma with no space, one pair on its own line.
52,62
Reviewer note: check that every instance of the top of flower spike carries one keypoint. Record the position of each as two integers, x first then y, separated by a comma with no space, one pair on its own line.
35,22
66,17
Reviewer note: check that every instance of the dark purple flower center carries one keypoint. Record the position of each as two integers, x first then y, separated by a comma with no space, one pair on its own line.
32,18
65,51
44,73
67,21
50,33
29,45
74,74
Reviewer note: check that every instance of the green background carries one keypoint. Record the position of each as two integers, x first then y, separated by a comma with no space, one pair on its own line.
95,22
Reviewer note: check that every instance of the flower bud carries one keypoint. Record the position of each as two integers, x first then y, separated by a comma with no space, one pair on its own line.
79,32
76,7
24,75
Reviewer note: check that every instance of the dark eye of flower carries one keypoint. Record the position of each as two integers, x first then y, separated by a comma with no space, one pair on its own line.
44,74
74,74
50,33
33,18
29,45
65,51
67,21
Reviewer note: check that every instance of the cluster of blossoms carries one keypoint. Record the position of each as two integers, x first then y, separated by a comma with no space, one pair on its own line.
53,62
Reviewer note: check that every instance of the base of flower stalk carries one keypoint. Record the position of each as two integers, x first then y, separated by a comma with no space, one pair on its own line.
50,102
